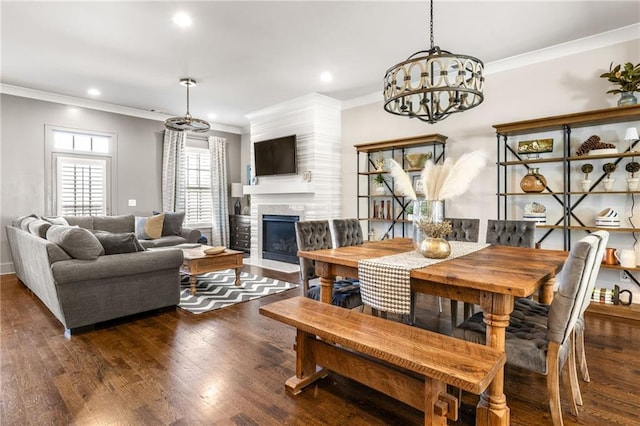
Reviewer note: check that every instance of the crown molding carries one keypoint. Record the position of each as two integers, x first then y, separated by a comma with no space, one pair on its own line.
40,95
597,41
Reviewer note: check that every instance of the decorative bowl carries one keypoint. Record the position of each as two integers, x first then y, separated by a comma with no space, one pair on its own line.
416,160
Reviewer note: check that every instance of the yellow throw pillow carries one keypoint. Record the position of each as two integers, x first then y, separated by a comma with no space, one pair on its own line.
149,228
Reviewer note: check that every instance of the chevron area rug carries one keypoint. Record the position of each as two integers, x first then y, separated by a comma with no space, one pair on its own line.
217,290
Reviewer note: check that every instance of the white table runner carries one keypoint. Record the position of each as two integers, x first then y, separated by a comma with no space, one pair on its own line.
385,281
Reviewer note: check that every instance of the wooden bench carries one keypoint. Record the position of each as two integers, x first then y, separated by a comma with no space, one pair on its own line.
407,363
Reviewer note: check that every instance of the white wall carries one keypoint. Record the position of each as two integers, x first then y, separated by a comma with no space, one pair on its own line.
558,86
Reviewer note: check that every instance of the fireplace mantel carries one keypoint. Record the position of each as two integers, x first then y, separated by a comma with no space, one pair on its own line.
280,188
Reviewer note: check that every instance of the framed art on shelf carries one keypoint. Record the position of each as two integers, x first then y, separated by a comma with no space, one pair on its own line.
417,184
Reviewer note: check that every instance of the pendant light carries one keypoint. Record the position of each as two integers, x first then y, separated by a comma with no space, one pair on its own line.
187,123
433,84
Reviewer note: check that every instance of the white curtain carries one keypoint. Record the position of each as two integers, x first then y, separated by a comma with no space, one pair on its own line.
173,171
219,196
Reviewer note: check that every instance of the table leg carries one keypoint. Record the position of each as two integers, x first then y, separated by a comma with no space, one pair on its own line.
492,408
192,284
545,293
326,282
238,277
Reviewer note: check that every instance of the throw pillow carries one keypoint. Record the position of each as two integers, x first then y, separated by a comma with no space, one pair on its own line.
172,223
149,228
118,243
18,222
57,220
39,227
79,243
116,224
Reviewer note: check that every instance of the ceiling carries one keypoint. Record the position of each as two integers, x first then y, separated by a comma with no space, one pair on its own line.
247,56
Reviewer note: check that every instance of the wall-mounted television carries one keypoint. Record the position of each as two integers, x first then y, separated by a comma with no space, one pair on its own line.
275,156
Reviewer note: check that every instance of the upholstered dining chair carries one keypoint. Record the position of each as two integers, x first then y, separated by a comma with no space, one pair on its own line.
515,233
540,339
346,232
461,230
316,235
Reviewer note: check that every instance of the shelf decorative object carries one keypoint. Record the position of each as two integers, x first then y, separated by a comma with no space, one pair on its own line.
379,163
533,181
440,182
632,167
535,212
593,146
416,160
379,180
586,183
608,182
627,77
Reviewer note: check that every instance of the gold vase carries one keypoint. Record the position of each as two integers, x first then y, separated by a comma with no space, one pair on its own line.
435,248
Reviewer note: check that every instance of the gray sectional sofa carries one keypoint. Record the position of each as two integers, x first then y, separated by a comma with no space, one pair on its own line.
80,282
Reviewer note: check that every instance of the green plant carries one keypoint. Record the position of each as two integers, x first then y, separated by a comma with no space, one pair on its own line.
379,179
627,77
632,167
586,169
609,168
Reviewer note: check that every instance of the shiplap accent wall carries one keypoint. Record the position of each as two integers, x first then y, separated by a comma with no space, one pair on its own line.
316,121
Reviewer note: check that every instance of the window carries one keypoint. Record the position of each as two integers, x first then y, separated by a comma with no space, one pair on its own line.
79,171
198,203
81,186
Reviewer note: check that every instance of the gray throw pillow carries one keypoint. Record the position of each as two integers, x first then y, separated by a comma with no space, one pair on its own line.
79,243
57,220
118,243
172,223
39,227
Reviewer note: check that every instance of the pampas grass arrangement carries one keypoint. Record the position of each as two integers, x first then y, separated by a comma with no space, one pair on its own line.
440,181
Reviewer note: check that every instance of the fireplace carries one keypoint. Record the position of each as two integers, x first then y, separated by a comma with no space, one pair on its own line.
279,238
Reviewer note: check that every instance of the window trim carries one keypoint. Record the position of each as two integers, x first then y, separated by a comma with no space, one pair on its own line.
50,165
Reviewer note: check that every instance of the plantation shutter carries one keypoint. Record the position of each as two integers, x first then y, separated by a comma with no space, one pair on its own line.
198,203
81,186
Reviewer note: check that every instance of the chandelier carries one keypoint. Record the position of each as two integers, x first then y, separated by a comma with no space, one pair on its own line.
433,84
187,123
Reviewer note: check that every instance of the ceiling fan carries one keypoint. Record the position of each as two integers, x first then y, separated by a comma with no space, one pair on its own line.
187,123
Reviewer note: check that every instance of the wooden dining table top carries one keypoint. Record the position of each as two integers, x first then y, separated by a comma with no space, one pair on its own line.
516,271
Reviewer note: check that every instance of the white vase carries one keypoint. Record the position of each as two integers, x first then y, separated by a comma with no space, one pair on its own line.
586,185
633,183
380,189
608,183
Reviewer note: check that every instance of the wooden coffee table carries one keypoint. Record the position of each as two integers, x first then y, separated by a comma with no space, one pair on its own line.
197,262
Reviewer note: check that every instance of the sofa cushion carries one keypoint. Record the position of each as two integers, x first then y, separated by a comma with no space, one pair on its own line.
114,224
18,222
149,228
80,243
24,222
39,227
116,243
172,224
85,222
57,220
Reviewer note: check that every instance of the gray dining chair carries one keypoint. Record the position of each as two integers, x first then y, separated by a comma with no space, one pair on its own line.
346,232
316,235
514,233
539,338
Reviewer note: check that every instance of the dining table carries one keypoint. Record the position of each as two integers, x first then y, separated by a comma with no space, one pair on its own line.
491,277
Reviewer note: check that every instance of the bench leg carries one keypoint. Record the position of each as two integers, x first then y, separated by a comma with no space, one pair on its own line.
438,404
306,370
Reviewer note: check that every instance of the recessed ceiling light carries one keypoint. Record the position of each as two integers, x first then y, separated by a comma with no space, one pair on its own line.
211,116
94,92
326,76
182,19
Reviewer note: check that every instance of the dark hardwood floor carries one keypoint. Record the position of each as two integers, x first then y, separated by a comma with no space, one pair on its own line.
228,367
